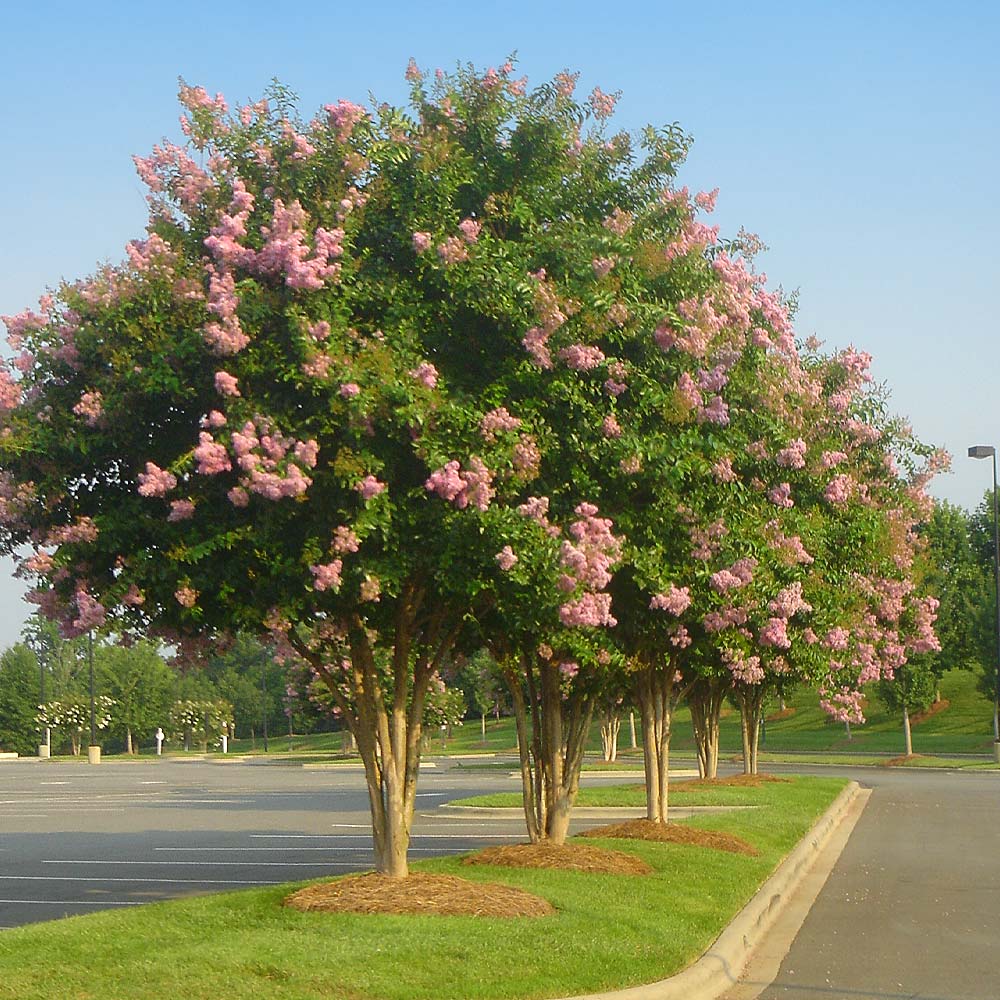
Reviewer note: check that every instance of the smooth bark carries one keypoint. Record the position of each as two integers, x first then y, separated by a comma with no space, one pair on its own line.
751,701
705,699
657,692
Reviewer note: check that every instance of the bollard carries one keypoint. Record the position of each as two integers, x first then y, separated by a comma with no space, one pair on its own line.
94,755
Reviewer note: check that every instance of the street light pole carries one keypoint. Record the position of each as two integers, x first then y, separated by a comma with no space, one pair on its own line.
988,451
90,659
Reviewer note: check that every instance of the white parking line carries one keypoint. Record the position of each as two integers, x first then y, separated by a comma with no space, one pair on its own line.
202,864
71,902
133,881
415,836
199,850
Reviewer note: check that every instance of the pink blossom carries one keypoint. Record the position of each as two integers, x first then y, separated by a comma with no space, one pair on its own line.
426,373
781,495
238,496
610,427
631,465
723,471
715,411
581,357
602,266
470,230
186,596
350,389
497,420
211,457
181,510
837,638
453,251
369,487
688,391
565,83
133,596
789,602
413,73
327,576
90,407
506,558
226,384
344,115
618,222
535,341
214,419
589,610
569,669
674,600
705,200
526,457
345,540
155,482
775,633
90,613
603,105
421,241
745,669
830,459
471,486
839,490
794,456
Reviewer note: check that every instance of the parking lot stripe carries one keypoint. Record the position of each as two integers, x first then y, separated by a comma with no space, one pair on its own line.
74,902
136,880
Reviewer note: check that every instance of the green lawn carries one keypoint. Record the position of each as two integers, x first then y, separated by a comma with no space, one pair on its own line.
610,931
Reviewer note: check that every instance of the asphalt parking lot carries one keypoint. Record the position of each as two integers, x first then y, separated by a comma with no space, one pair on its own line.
75,838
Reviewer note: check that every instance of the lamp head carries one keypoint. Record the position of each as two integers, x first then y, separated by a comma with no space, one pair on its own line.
982,451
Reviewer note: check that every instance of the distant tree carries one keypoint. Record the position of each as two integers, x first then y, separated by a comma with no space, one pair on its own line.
18,699
142,686
480,679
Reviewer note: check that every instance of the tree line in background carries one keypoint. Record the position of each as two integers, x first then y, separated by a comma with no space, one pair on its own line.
395,385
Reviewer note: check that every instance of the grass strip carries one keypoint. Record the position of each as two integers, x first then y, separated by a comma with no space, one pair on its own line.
610,930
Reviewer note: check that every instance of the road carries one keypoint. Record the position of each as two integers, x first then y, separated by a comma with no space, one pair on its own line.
74,838
911,911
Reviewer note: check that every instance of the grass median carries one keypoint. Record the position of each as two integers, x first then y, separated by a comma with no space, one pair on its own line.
609,930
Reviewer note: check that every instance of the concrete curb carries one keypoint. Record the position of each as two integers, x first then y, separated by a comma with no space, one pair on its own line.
720,968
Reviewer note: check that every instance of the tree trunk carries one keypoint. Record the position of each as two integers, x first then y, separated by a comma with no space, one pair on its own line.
384,716
128,740
551,739
705,699
631,729
751,701
907,736
611,723
847,728
483,715
656,694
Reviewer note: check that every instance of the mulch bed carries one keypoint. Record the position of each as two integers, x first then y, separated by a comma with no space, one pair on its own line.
736,781
900,760
784,713
674,833
929,713
570,857
441,895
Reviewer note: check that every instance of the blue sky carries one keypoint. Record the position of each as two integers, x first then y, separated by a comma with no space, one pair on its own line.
860,140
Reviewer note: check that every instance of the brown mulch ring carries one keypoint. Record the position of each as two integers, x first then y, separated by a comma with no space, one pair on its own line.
736,781
571,857
674,833
900,760
440,895
784,713
929,713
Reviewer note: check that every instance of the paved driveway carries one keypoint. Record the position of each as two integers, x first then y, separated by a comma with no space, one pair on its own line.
911,910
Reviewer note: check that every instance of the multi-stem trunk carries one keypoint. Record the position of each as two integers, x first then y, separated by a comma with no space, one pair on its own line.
751,702
611,723
383,711
705,699
551,739
656,692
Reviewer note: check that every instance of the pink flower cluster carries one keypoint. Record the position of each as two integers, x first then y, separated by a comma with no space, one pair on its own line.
272,463
285,250
90,613
705,541
587,562
781,495
186,596
345,540
526,457
789,601
581,357
212,457
506,558
181,510
472,486
794,456
674,600
495,421
738,575
840,489
226,335
453,250
226,384
775,633
603,105
744,669
551,318
82,529
90,407
369,487
326,576
425,373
